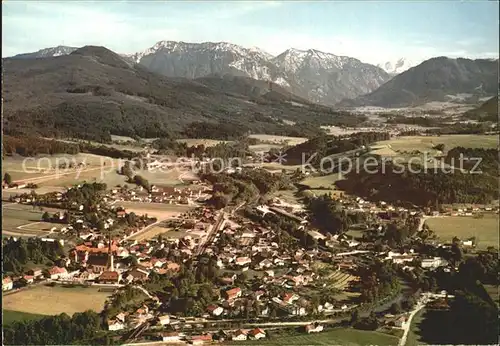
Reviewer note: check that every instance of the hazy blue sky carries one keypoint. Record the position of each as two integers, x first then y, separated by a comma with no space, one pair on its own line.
373,31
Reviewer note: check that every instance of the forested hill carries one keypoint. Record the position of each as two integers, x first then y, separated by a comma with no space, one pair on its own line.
433,80
428,187
488,111
93,92
317,148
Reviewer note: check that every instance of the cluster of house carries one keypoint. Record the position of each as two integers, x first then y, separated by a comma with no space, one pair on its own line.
254,248
168,194
467,211
130,320
223,335
35,275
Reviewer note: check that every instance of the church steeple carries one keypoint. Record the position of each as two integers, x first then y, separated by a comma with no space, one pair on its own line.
111,264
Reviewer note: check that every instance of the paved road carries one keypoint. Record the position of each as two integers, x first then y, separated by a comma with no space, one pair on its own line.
210,237
406,327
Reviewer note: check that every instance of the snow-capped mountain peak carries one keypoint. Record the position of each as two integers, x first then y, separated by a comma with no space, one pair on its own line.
397,66
294,59
311,74
47,52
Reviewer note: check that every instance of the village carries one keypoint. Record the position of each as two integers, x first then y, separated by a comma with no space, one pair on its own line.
255,271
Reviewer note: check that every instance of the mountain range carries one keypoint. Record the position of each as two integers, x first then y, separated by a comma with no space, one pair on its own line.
311,74
434,80
316,76
93,92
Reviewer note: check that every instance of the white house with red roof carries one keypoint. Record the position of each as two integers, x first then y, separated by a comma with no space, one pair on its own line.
257,334
57,272
239,335
233,293
215,310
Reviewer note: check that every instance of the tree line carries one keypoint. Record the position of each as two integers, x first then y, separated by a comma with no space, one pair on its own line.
17,253
32,146
325,145
424,187
81,328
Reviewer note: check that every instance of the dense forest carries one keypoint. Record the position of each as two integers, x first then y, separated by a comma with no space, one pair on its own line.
247,185
17,253
326,145
472,317
460,129
423,188
487,112
487,160
427,186
32,146
82,328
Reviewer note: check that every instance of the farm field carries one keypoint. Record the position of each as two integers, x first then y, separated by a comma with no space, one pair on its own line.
192,142
341,280
287,196
42,170
152,232
159,210
279,139
136,147
170,176
262,148
10,316
40,190
341,336
28,219
166,233
425,143
22,168
320,182
91,175
116,138
485,229
320,185
55,300
273,166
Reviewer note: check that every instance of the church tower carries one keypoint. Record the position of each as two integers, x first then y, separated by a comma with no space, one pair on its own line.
111,261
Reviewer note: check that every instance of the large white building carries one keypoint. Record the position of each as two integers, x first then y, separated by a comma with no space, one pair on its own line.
434,262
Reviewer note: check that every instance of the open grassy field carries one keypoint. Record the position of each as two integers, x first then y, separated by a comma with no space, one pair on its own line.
274,166
14,216
23,220
319,182
161,211
55,300
45,172
192,142
425,143
261,148
341,336
288,196
166,232
161,177
10,316
151,233
320,185
485,229
279,139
